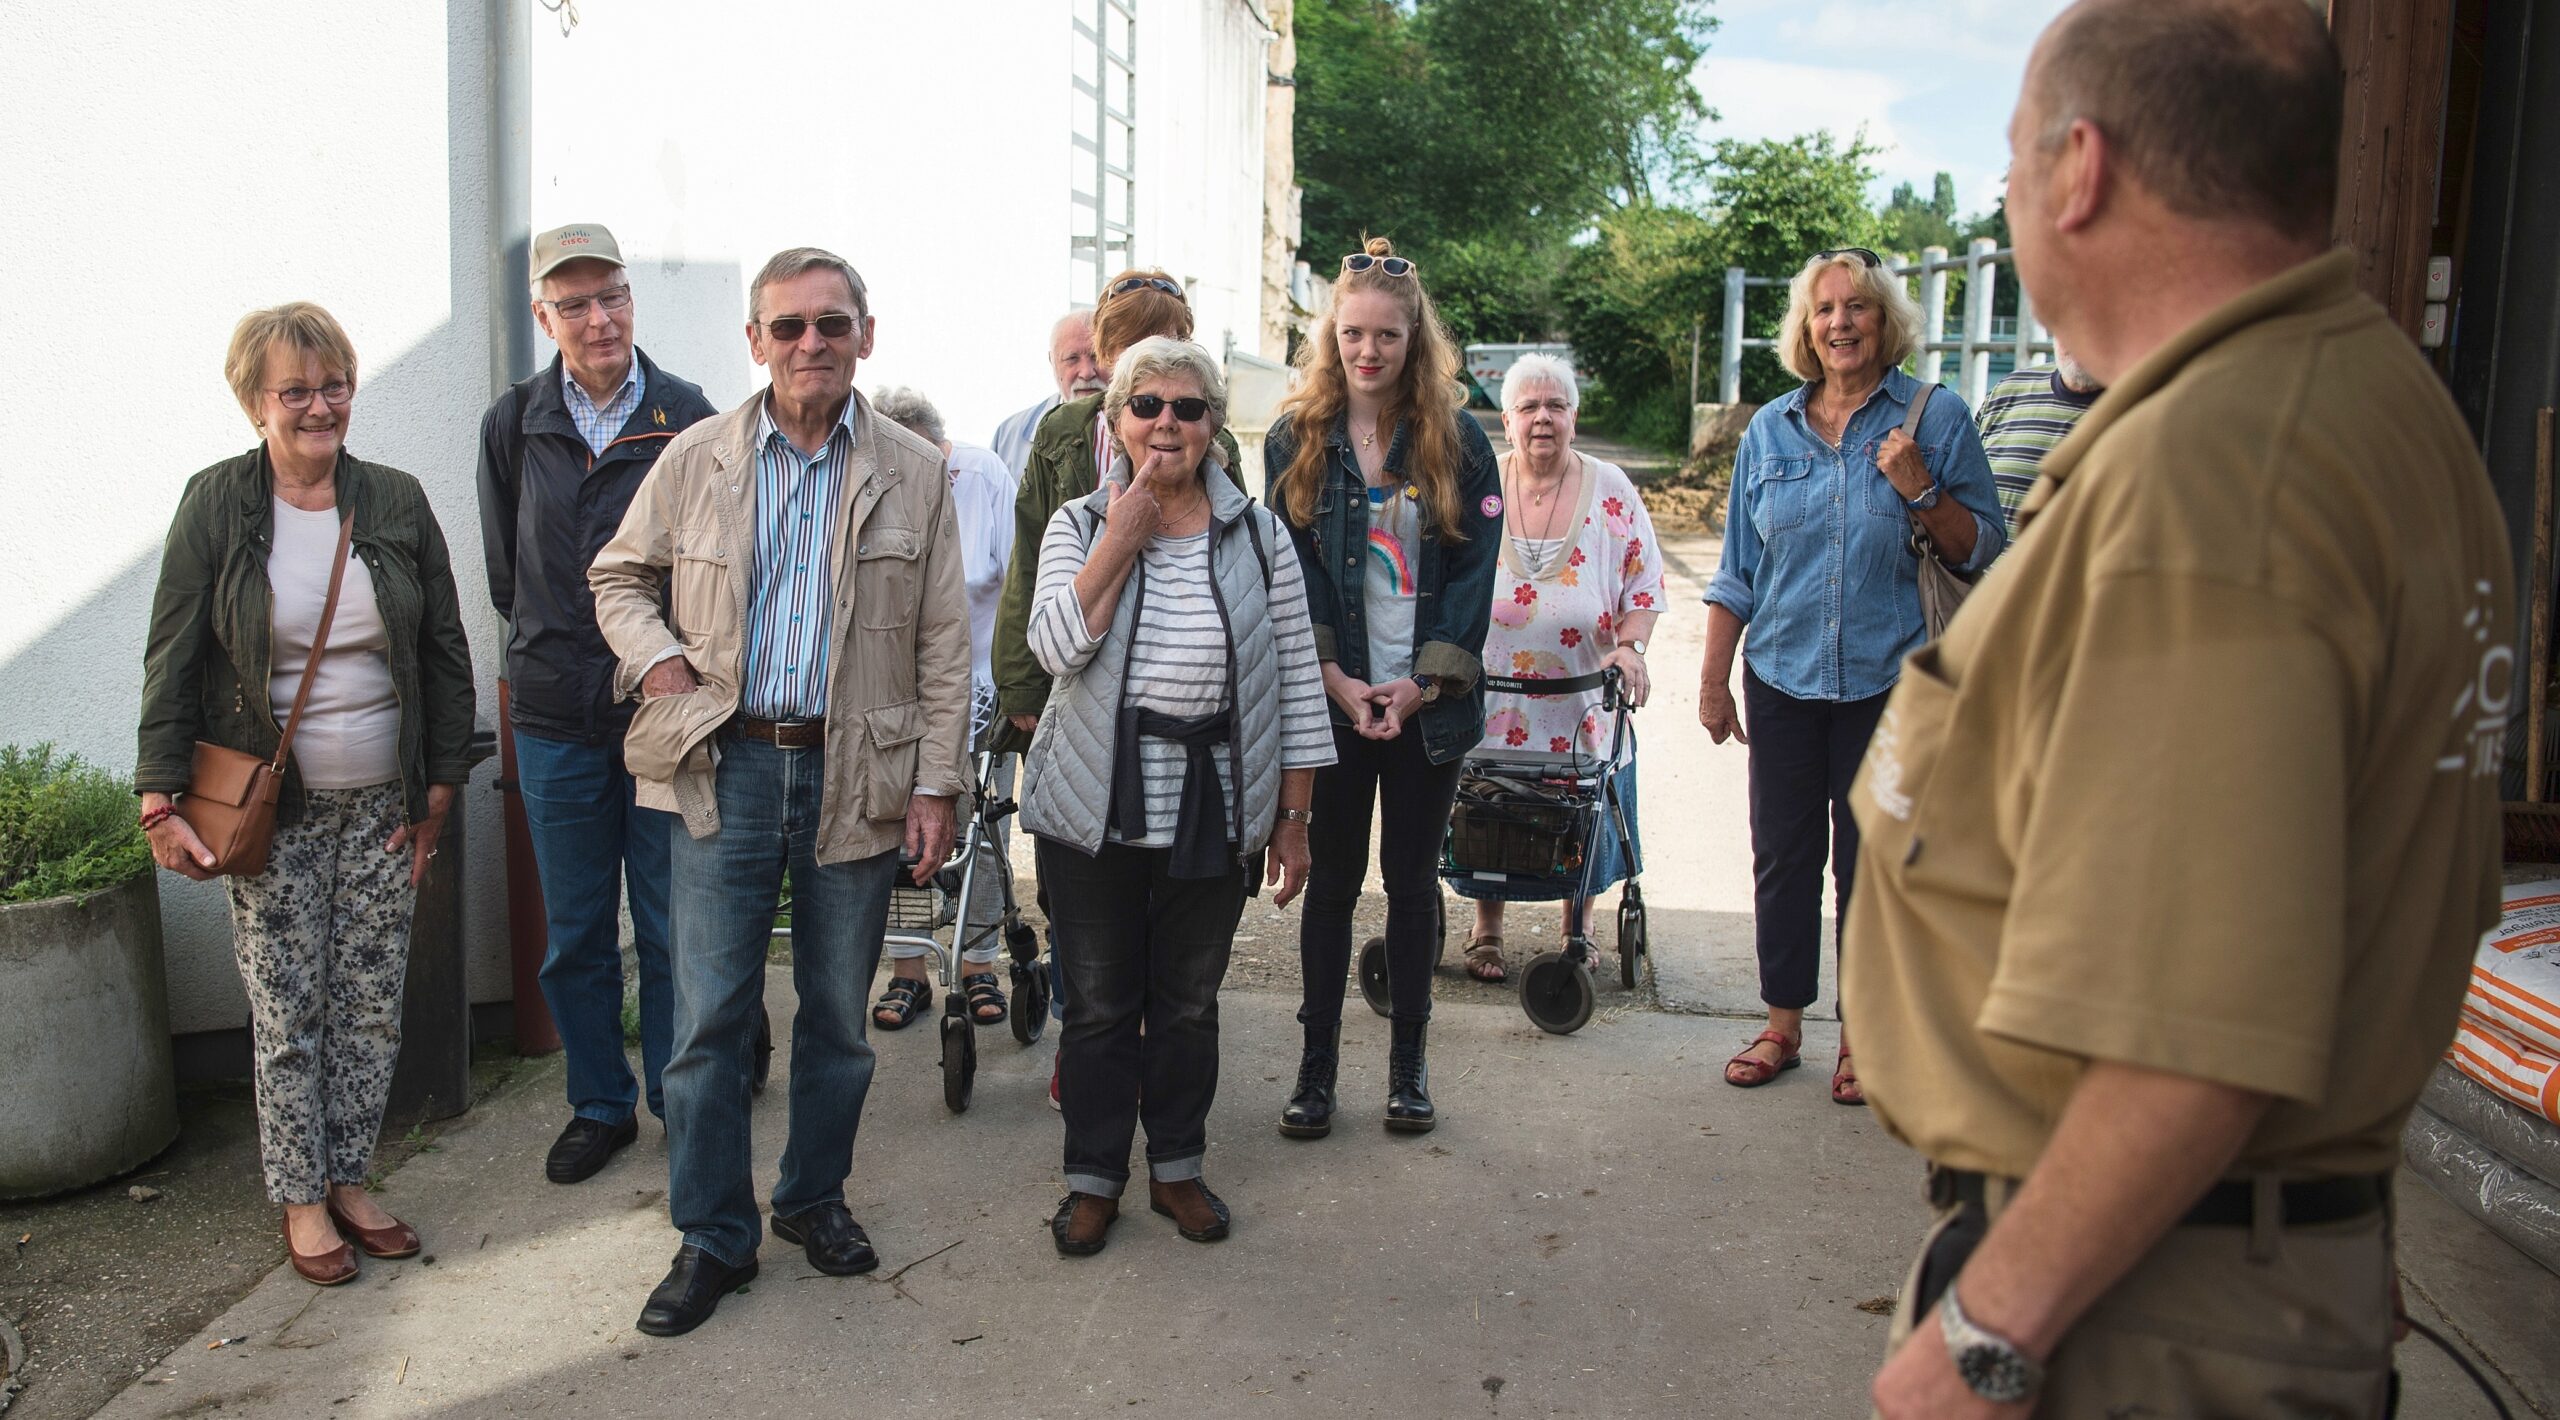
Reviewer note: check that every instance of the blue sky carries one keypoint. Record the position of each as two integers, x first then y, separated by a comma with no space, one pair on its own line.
1932,81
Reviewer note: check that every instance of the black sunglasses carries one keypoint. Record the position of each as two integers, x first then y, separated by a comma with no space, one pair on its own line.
1392,265
1861,253
1140,283
789,329
1190,409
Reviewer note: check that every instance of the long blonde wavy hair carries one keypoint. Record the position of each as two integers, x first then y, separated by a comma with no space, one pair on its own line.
1426,400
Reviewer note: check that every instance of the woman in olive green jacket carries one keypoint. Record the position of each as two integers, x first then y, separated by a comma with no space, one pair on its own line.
322,935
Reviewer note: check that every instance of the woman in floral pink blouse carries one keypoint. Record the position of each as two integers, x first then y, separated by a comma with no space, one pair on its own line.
1578,589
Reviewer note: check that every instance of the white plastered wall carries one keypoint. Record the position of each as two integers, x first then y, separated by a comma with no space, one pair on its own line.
167,171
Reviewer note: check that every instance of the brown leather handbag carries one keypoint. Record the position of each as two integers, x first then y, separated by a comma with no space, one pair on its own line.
231,794
1942,587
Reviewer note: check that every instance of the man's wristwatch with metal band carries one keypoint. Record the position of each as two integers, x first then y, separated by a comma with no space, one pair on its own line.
1429,685
1992,1365
1927,500
1299,815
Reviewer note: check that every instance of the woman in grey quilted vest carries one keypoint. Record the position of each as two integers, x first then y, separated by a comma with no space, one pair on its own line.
1169,778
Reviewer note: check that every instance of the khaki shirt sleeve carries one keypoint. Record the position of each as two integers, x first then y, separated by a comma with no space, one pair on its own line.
627,577
2179,900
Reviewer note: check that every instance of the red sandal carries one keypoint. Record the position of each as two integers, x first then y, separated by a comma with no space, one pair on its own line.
1747,1071
1845,1088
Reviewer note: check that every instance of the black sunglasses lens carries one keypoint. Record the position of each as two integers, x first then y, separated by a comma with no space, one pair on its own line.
789,329
1396,266
1861,253
1146,406
1190,409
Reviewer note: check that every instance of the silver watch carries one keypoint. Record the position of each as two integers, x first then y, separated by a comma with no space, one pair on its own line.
1992,1365
1637,646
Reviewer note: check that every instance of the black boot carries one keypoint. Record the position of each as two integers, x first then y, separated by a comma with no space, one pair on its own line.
1310,1111
1409,1108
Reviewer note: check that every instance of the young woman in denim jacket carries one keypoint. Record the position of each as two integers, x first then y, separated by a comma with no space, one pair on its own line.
1392,495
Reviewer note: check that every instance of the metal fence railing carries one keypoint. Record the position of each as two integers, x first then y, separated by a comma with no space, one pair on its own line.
2024,338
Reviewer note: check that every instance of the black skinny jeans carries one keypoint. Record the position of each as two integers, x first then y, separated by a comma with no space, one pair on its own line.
1412,797
1803,755
1144,953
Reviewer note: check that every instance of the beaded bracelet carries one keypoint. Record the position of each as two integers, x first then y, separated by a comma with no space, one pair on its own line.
151,818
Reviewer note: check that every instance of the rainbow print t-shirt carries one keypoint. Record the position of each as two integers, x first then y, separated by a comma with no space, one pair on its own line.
1395,551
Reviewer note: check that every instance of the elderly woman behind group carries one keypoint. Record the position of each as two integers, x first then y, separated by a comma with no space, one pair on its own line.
1176,756
1577,592
1819,563
322,935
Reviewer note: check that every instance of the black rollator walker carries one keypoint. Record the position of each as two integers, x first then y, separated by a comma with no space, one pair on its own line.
918,915
1530,821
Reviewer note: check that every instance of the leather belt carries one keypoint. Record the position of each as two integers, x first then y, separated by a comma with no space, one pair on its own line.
783,734
2228,1204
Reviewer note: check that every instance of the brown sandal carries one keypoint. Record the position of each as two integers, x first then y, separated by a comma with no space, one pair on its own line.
1484,959
1748,1072
1844,1082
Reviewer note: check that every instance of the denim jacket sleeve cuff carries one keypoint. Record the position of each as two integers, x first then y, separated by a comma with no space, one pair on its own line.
1727,591
1447,662
1986,545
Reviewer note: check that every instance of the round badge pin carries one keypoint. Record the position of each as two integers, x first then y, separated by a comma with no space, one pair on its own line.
1492,505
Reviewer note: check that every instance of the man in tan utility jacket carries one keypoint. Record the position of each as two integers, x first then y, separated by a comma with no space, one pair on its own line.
785,596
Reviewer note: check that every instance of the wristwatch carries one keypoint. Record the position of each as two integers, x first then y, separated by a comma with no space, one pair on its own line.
1992,1365
1307,816
1925,501
1430,685
1636,646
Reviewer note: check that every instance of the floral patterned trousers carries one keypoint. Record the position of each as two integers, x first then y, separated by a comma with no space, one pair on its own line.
323,942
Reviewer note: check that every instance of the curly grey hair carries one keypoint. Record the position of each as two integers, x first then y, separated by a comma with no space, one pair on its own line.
1540,368
1158,356
901,404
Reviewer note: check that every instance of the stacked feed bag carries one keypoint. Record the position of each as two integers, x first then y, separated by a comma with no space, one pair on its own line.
2487,1130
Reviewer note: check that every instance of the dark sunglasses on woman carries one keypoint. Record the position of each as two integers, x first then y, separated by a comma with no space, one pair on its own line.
789,329
1189,409
1861,253
1140,283
1392,265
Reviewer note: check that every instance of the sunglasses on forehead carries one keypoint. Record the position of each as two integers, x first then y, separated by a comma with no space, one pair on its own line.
789,329
1190,409
1861,253
1141,283
1392,265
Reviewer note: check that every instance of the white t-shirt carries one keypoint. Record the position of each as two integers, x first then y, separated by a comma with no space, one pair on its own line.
982,490
350,732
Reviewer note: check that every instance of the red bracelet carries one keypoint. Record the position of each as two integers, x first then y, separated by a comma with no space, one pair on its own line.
151,817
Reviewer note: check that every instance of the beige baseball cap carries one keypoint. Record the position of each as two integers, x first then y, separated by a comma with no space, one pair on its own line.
579,241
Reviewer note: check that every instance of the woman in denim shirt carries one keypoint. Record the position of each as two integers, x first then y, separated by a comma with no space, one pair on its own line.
1392,497
1818,562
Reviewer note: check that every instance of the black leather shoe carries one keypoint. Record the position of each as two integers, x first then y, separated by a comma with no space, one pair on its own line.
835,1243
692,1291
583,1147
1409,1108
1310,1111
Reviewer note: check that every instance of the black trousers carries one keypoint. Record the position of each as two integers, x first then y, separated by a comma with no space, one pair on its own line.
1412,797
1803,755
1144,953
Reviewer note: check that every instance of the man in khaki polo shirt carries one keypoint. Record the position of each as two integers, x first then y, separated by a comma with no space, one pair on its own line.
2179,843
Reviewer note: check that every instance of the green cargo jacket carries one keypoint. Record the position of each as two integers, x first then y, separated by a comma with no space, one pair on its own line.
205,668
1059,472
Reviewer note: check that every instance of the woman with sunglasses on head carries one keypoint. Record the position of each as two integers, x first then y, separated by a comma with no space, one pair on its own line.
301,584
1819,562
1393,497
1170,775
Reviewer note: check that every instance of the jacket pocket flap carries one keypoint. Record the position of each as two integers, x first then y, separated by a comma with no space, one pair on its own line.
901,543
223,775
664,733
894,725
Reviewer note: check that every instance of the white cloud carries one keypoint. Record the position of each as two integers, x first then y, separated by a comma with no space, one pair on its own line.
1769,98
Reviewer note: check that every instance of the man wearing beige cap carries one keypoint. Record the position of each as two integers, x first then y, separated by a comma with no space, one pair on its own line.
560,456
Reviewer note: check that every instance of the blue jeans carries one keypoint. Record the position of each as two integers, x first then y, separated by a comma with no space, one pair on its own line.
726,889
590,842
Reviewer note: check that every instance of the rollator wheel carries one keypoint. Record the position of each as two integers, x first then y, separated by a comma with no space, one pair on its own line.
1030,1001
959,1055
1557,993
764,1052
1373,975
1635,949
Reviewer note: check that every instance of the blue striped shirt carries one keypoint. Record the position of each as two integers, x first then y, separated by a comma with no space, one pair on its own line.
791,584
599,426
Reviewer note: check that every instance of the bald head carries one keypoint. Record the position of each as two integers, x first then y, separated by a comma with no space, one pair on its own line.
2222,109
1071,357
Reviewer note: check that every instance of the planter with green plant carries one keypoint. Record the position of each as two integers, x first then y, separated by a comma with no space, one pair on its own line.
87,1088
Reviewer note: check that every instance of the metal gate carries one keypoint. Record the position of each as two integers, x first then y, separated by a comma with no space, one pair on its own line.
1106,145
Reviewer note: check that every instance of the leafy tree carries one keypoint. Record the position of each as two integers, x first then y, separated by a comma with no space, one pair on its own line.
1911,225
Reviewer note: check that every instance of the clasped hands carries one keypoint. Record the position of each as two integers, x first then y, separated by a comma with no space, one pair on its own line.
1377,712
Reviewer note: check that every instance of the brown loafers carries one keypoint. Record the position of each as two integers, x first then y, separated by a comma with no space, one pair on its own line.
1197,1213
1083,1223
326,1269
398,1240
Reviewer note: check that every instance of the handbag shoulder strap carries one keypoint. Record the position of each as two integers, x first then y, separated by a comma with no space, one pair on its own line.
1919,402
319,640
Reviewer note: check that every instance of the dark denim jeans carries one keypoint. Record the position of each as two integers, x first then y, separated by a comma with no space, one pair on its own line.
590,843
1411,798
726,889
1144,954
1803,755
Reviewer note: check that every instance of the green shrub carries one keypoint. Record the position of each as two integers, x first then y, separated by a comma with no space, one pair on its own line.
66,826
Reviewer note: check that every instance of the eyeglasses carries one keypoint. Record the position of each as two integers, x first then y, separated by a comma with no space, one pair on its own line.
334,393
1861,253
614,299
789,329
1392,265
1140,283
1190,409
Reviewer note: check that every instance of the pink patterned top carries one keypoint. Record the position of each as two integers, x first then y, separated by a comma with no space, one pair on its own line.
1556,616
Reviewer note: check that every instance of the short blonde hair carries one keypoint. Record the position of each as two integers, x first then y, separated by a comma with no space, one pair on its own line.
1879,284
300,324
1160,355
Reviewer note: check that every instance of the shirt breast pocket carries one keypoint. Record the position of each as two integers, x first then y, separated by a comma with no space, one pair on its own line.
1784,497
887,571
698,586
1883,499
1891,796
